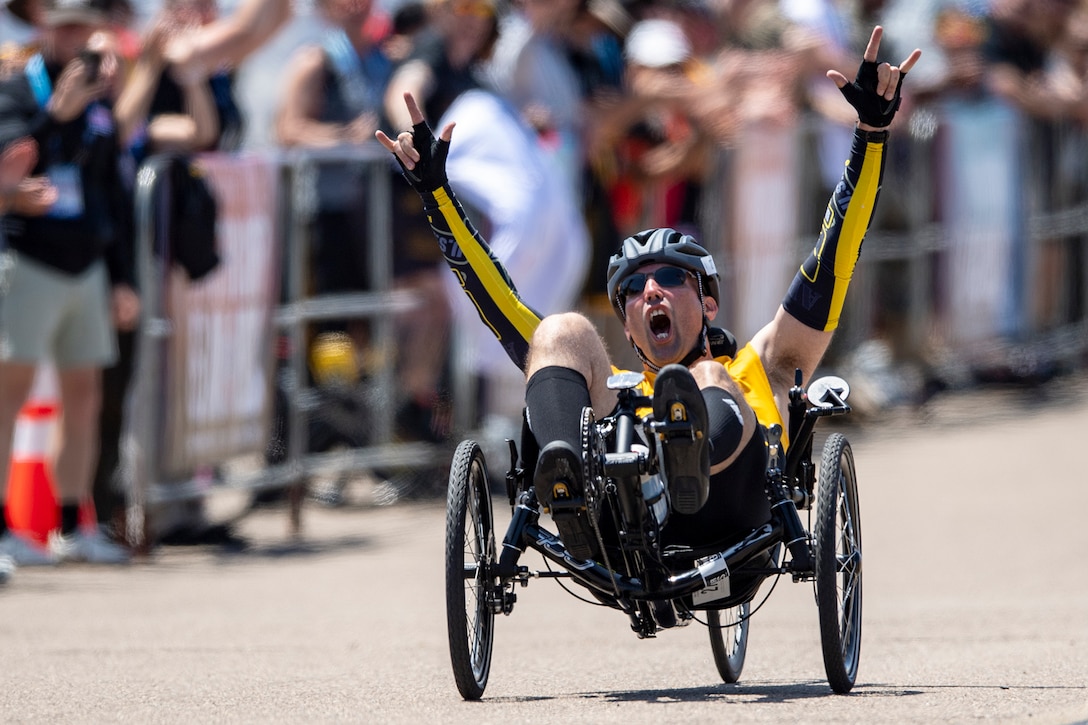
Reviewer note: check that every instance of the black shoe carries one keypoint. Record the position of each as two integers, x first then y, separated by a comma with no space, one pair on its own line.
679,404
559,489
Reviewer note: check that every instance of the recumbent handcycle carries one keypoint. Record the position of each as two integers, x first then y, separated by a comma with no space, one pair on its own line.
662,587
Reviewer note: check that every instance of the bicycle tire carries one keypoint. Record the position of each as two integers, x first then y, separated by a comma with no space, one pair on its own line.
729,641
839,563
471,583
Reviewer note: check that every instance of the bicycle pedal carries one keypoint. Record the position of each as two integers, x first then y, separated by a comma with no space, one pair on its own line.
566,507
682,430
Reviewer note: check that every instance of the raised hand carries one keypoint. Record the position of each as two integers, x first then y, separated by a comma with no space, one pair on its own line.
875,92
27,195
420,154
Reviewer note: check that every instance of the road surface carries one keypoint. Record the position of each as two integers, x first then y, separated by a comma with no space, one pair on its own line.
976,609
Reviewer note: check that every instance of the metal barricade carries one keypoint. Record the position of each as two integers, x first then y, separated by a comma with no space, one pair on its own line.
926,245
263,246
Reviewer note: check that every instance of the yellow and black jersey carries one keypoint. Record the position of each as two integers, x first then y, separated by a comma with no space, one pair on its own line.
815,297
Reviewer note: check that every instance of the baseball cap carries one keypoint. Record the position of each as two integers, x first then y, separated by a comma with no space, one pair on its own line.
657,43
75,12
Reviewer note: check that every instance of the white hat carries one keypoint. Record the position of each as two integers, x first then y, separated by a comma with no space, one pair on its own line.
657,44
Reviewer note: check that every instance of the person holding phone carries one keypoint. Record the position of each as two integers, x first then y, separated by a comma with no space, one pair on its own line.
70,270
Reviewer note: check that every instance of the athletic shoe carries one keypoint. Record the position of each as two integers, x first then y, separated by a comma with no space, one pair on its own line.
7,568
25,552
89,546
679,405
559,489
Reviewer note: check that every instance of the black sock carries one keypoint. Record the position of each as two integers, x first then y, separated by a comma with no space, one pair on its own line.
69,518
554,398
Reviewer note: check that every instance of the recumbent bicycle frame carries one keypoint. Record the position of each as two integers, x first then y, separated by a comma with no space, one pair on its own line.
661,588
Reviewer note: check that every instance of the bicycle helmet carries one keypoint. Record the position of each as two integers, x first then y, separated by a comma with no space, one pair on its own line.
664,246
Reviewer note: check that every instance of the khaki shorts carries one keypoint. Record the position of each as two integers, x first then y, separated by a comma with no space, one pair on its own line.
46,314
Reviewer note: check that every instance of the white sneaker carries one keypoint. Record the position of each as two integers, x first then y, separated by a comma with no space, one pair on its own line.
25,552
89,546
7,568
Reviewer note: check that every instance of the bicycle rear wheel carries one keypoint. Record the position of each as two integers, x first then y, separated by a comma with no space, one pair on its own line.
471,584
729,639
839,563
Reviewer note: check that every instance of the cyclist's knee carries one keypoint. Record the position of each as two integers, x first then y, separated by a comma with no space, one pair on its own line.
562,336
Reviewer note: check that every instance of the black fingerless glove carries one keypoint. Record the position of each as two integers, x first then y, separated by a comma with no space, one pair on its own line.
873,109
430,171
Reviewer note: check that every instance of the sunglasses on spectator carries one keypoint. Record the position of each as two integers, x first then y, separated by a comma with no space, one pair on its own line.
664,276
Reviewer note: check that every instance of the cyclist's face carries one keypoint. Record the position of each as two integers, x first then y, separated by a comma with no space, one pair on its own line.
665,321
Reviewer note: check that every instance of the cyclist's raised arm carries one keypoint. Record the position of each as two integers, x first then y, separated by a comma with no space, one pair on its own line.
480,273
801,330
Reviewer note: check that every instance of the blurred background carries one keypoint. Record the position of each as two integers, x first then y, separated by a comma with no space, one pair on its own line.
330,356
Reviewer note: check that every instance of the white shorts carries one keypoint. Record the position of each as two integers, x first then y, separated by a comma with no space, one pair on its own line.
46,314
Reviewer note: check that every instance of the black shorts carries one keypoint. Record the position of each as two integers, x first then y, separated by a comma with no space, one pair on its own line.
737,503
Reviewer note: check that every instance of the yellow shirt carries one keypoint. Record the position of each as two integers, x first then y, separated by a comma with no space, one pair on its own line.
747,370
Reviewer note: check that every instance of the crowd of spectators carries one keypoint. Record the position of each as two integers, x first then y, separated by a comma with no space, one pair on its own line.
623,114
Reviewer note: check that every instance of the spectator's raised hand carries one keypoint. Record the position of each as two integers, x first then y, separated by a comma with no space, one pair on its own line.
875,92
16,162
420,154
80,83
29,196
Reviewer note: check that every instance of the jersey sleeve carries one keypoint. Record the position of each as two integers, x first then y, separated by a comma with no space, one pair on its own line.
818,290
481,275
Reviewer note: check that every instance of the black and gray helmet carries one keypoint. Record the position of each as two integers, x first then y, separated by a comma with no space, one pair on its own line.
662,246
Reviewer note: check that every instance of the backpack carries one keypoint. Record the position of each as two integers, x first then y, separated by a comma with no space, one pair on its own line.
194,211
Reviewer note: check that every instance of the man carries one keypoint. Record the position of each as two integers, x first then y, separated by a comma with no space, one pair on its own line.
665,289
70,270
19,191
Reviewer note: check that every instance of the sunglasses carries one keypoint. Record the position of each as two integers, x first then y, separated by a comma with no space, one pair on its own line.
664,276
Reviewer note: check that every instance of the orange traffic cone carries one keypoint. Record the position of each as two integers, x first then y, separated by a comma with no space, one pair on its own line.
32,501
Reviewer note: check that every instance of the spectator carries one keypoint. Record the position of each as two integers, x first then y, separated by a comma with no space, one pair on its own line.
657,145
163,107
58,303
1022,35
167,107
334,96
501,172
990,106
446,58
18,191
560,63
532,70
180,98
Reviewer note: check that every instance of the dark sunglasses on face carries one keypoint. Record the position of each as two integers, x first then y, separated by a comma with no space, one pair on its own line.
664,276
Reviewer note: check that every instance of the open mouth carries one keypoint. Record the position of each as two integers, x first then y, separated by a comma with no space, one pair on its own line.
660,325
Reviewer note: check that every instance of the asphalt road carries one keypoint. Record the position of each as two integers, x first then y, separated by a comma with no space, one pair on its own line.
976,609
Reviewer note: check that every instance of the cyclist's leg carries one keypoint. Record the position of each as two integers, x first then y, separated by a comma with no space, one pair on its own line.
732,422
567,370
570,340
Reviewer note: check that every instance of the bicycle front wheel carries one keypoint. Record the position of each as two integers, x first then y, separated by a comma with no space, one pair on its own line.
729,639
471,583
839,563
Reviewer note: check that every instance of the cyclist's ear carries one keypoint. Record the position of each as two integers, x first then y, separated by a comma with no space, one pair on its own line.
711,306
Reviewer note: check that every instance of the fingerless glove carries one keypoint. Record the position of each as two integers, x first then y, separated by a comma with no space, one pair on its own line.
873,109
430,171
